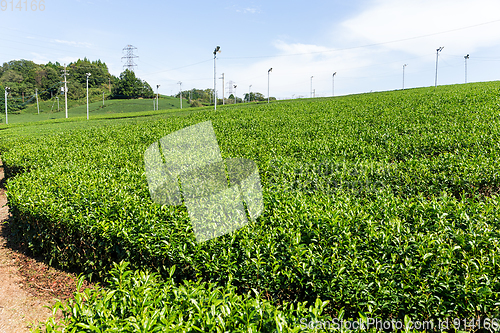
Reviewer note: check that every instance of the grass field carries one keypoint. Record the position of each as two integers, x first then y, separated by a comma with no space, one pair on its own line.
49,110
380,205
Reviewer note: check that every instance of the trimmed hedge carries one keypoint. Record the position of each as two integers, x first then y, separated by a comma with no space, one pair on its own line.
381,203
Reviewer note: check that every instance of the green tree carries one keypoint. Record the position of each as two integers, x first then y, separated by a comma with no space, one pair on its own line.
255,96
230,99
130,86
26,68
201,97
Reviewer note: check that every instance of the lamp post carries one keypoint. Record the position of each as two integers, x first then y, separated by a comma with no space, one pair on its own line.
333,84
249,93
312,86
437,57
87,74
269,71
223,89
466,57
157,97
404,75
180,92
235,93
65,73
6,116
37,105
217,50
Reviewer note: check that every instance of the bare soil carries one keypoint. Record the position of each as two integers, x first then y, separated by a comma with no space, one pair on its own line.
27,285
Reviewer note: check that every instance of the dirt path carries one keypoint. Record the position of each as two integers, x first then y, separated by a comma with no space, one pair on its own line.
18,309
26,284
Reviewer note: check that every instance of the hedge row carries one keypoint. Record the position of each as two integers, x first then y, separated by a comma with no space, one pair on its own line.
384,203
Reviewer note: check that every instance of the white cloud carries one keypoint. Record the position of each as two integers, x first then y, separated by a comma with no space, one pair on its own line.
67,60
379,66
248,10
299,48
362,69
293,67
38,58
73,43
251,10
390,20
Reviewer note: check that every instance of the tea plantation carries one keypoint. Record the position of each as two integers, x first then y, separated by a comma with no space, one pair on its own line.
380,205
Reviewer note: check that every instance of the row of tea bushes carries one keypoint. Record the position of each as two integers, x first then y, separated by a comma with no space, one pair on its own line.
383,203
140,301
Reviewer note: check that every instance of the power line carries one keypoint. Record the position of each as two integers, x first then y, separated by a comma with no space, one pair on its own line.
173,69
370,45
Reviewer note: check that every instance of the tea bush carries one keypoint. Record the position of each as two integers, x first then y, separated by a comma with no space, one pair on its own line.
382,203
140,301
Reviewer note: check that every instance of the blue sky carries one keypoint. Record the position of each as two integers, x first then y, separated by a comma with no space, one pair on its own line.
366,42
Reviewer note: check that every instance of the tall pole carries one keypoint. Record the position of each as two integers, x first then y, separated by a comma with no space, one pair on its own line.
37,105
333,84
6,116
437,57
269,71
235,93
223,88
404,75
215,81
466,57
312,86
157,97
88,74
217,50
180,92
65,72
249,93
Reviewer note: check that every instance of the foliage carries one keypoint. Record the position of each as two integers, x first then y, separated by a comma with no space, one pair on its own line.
196,104
383,203
230,100
99,72
198,97
24,77
139,301
129,86
255,96
13,104
205,97
77,111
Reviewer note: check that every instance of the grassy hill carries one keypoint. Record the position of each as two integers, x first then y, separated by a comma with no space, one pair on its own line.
380,205
49,109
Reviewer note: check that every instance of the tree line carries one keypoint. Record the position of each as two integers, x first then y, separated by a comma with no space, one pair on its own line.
24,77
198,97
